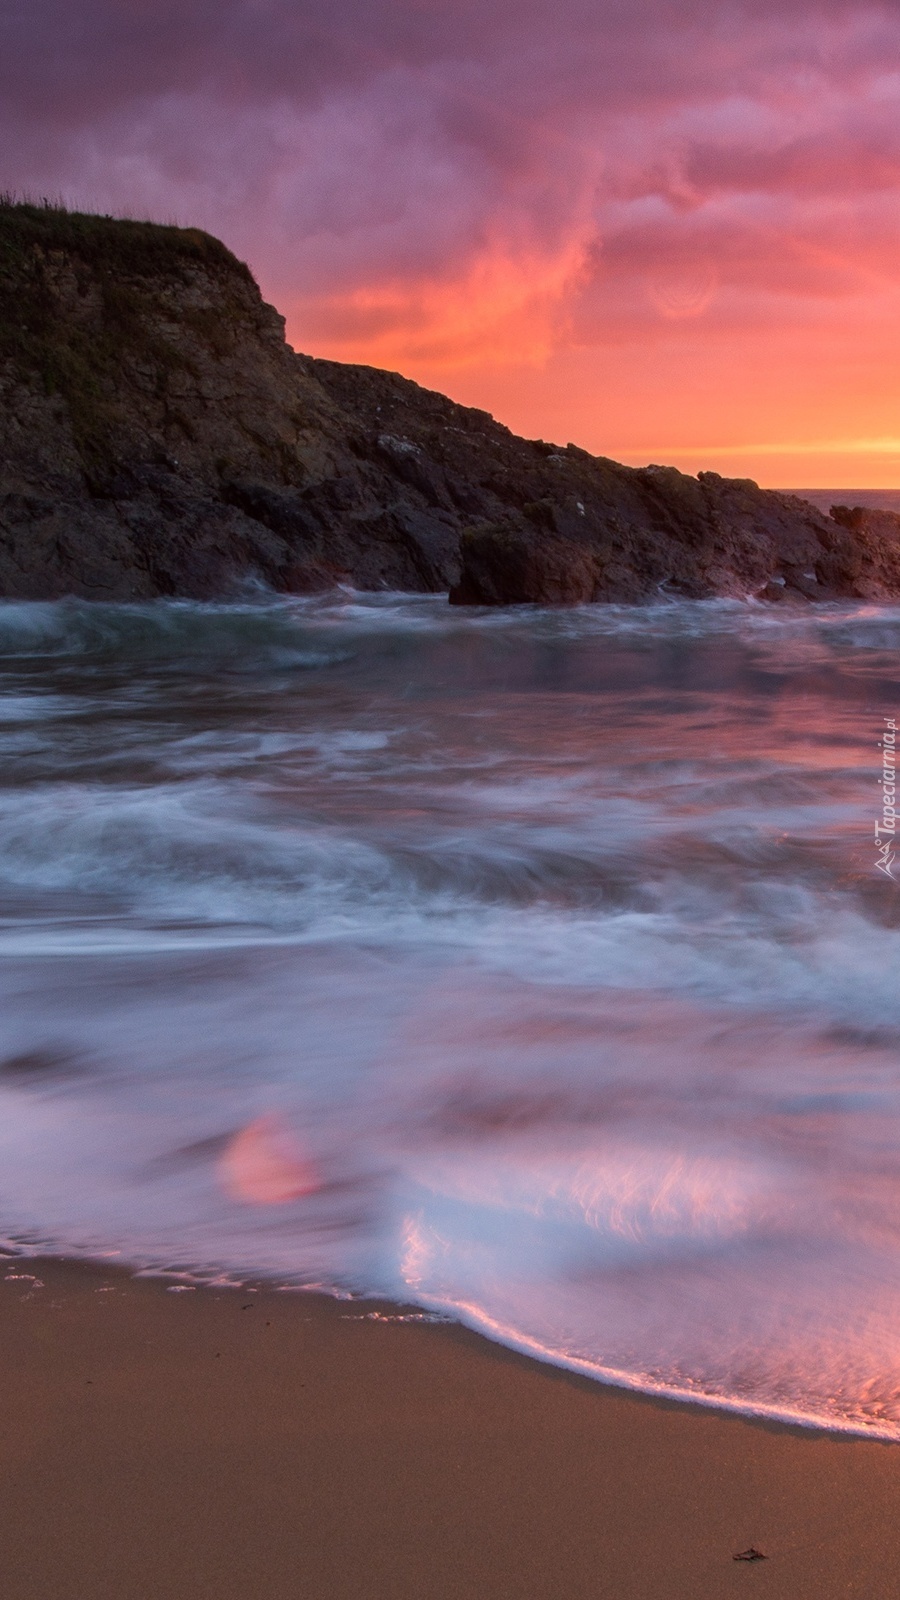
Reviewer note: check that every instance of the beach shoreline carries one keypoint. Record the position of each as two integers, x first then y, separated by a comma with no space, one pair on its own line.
238,1442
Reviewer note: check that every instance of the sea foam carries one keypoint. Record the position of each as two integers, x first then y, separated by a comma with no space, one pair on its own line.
531,966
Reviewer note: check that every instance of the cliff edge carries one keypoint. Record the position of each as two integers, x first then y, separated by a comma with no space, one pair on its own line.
159,437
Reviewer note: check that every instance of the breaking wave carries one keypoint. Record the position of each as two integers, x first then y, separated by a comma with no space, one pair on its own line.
530,966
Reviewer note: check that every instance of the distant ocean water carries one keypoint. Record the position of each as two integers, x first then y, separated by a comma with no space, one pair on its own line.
873,499
531,966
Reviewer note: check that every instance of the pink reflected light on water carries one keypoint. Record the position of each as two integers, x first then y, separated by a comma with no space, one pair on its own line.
263,1165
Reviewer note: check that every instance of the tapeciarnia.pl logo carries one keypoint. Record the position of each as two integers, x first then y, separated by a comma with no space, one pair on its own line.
887,744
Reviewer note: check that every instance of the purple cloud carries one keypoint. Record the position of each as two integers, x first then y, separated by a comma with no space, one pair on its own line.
443,179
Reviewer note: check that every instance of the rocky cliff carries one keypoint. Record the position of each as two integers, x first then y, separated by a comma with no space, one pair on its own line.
159,437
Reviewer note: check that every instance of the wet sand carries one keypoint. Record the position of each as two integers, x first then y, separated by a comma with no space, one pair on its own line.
221,1443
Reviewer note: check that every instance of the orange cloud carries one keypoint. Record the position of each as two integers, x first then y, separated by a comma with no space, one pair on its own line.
505,304
669,227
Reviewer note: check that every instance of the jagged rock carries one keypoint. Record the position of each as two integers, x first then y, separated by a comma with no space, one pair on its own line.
159,437
654,532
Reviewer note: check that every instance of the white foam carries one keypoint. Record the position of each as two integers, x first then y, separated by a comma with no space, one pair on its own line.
552,940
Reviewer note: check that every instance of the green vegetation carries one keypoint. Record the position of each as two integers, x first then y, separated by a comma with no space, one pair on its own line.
79,294
109,244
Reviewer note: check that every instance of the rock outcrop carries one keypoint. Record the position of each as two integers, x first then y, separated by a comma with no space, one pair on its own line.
159,437
634,535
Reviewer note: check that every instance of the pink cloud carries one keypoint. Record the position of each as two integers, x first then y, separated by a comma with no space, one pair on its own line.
445,182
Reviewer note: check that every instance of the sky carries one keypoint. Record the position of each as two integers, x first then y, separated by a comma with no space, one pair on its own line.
666,231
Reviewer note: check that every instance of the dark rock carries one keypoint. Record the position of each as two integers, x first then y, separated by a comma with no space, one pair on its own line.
507,563
159,437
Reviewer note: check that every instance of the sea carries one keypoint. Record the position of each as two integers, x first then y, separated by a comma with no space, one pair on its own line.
537,969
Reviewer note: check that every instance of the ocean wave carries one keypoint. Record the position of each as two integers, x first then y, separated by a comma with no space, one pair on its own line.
285,629
531,965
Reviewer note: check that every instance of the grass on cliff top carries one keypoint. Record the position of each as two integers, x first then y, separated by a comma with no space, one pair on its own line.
75,347
108,244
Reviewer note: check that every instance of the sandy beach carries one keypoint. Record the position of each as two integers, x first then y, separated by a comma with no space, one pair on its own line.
233,1443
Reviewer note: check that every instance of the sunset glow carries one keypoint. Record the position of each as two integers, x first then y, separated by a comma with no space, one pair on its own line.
667,232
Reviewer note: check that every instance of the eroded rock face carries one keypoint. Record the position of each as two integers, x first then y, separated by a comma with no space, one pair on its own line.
656,532
158,437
